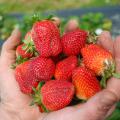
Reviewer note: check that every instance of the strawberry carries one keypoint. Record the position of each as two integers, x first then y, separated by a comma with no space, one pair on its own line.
65,67
85,82
23,52
29,44
42,68
54,95
73,41
25,80
46,37
26,50
100,61
97,59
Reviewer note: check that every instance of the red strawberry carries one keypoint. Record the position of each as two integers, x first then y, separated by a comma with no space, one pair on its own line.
25,80
65,67
23,51
42,68
46,37
72,42
85,82
55,95
97,59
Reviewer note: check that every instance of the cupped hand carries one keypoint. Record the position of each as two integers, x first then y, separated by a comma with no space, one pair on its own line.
13,102
15,105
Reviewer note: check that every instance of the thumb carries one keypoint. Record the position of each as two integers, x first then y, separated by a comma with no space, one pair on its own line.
8,48
98,106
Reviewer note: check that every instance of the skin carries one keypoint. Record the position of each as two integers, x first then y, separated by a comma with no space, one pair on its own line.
71,25
14,104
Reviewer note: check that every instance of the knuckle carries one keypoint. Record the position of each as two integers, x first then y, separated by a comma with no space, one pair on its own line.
107,101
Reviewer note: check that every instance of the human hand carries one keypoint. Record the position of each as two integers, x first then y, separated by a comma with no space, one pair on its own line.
15,105
101,105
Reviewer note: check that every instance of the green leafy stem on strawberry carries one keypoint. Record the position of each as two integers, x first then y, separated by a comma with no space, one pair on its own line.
37,97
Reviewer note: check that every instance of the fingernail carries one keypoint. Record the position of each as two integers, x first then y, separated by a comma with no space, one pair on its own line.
106,34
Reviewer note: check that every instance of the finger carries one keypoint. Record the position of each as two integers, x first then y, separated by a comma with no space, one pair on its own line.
114,83
106,41
117,53
12,41
71,25
8,48
111,110
98,106
56,21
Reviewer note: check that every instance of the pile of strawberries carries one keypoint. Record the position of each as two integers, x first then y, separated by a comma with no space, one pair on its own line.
55,69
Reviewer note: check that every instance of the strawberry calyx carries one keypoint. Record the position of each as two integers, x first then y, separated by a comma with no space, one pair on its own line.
29,46
50,17
116,75
37,97
92,38
19,60
37,17
109,71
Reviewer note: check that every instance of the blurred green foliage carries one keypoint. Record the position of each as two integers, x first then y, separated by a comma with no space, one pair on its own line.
28,6
115,115
91,21
8,23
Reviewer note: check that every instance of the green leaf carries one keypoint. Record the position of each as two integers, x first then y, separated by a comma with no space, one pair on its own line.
36,53
34,89
40,85
115,115
103,81
18,58
44,108
13,66
49,17
116,75
118,105
24,47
